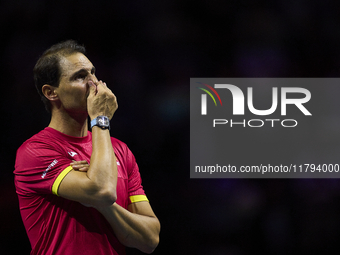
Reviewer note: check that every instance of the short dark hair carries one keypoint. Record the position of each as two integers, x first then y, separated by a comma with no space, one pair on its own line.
47,70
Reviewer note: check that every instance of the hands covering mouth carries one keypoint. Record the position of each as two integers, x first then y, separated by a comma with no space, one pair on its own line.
100,101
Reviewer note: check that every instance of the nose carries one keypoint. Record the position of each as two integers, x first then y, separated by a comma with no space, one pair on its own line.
93,78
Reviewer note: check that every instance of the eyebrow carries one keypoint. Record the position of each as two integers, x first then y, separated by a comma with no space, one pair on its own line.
83,70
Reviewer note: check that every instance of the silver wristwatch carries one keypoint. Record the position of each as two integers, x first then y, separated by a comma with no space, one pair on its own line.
101,121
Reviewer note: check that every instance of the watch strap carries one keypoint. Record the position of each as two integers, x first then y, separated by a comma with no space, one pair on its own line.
93,122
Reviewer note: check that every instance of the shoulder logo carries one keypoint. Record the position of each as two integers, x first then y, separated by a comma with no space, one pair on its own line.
54,162
118,164
72,153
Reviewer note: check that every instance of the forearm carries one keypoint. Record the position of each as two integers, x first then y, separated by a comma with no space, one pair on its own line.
133,230
97,185
103,167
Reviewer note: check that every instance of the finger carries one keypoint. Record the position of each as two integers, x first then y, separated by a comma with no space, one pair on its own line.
100,87
78,162
101,83
93,88
77,165
83,169
80,168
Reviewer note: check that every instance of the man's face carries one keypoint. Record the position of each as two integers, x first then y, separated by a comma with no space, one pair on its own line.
73,90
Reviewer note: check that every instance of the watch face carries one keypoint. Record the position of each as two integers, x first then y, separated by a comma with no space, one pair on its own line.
102,121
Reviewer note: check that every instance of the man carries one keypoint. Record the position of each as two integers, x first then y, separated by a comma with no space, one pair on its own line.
80,192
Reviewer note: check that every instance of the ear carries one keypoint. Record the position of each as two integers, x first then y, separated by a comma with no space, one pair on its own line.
49,92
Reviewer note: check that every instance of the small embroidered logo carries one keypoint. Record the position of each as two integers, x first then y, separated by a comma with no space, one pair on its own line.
72,153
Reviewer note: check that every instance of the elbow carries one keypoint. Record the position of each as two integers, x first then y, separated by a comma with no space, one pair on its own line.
97,194
107,198
152,244
153,240
103,197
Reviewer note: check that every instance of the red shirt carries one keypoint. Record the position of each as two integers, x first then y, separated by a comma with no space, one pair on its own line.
56,225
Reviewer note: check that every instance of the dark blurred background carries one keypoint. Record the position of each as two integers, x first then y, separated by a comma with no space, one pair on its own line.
146,51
